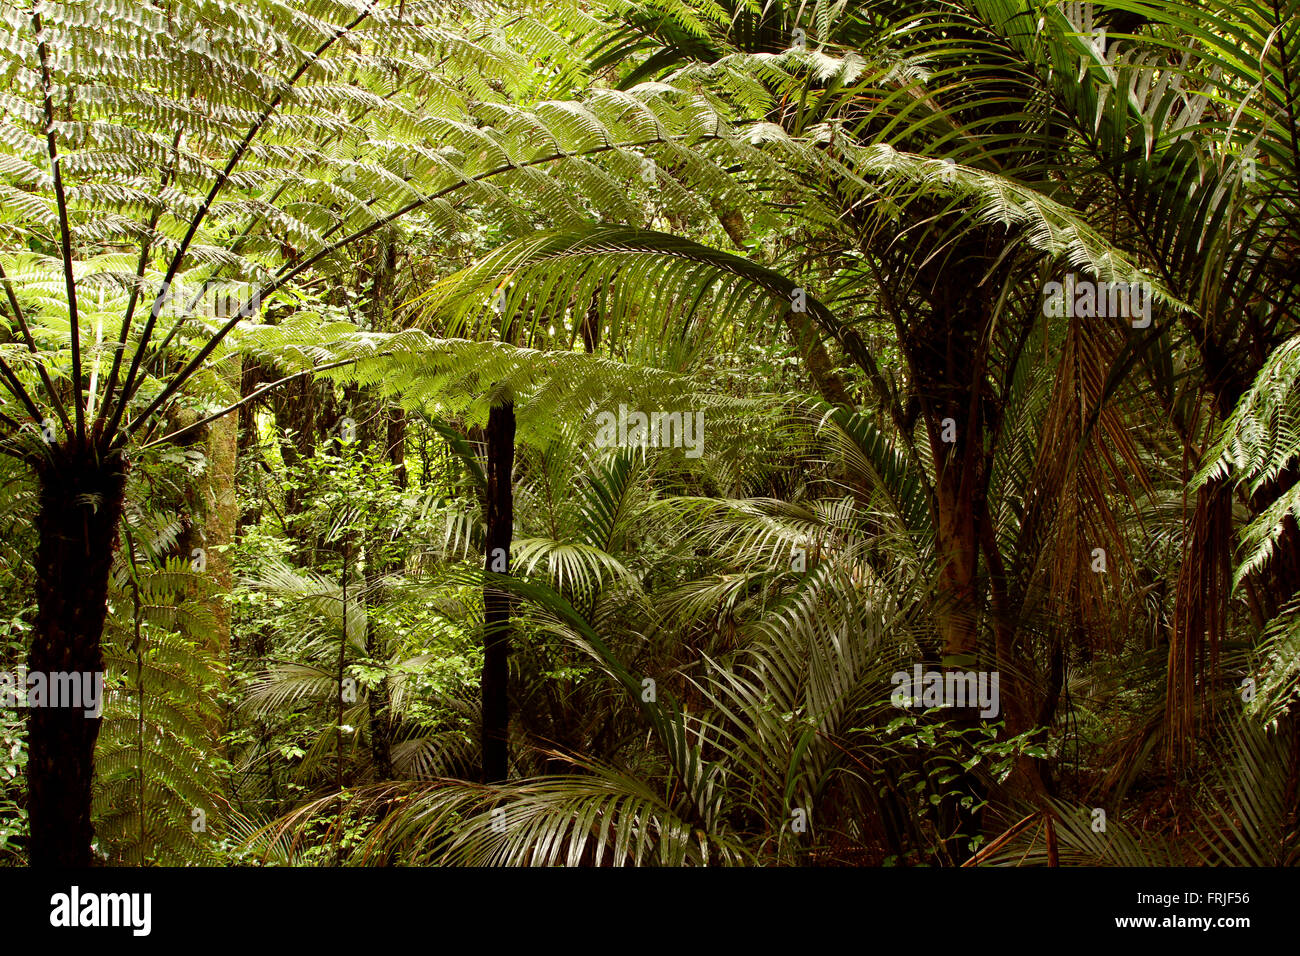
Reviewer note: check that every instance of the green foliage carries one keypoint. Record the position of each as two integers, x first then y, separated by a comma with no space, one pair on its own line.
158,767
401,215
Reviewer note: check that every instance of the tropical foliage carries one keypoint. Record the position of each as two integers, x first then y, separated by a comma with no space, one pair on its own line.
568,433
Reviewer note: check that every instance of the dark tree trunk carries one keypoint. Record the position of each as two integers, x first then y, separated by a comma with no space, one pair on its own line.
496,604
378,704
80,506
250,378
946,356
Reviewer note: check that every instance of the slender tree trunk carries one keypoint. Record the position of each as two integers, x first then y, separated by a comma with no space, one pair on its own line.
211,527
821,369
80,506
957,545
947,359
496,604
378,703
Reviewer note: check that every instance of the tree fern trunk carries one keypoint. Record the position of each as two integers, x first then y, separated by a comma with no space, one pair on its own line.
496,605
80,505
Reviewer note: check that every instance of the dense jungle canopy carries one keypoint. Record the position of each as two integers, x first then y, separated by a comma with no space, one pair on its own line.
649,432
